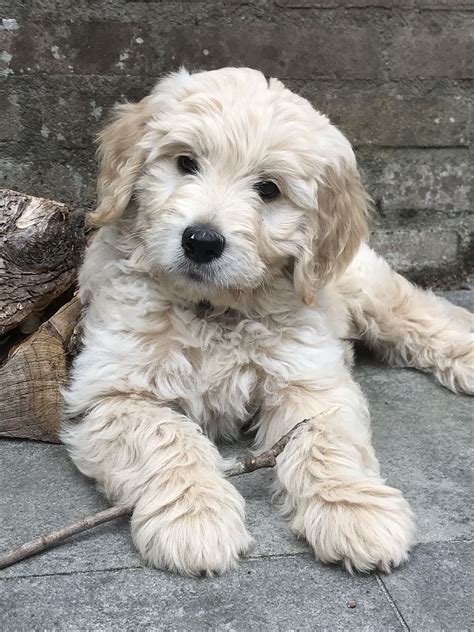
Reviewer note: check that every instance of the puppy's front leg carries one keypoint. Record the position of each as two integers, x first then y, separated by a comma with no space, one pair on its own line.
331,478
186,516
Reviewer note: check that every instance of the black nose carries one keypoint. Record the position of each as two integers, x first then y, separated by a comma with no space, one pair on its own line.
202,244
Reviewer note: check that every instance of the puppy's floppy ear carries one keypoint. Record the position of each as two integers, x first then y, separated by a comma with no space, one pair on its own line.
341,222
338,225
120,161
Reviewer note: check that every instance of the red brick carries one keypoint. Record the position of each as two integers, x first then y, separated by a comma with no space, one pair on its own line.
397,121
57,48
431,55
435,5
407,249
112,48
69,177
81,107
349,53
10,122
422,180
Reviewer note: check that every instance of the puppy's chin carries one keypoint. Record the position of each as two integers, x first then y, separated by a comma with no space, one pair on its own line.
204,274
203,282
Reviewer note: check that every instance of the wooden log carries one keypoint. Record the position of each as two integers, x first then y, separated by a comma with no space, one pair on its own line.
41,244
32,375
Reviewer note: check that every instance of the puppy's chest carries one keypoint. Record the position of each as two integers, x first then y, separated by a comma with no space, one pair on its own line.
215,364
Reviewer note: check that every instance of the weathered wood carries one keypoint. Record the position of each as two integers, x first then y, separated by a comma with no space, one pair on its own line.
41,244
31,378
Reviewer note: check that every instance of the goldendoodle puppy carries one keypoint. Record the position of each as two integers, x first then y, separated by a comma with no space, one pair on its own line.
230,271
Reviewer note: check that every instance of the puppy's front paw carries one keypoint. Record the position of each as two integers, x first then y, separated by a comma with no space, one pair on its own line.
372,528
202,532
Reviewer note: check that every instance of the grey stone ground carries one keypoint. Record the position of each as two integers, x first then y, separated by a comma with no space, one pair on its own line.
422,434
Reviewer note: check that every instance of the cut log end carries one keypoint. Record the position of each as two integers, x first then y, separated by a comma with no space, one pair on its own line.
41,245
32,376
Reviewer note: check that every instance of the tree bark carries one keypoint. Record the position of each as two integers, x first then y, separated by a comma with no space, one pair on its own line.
41,244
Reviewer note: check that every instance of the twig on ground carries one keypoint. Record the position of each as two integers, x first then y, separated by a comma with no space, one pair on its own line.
47,540
268,458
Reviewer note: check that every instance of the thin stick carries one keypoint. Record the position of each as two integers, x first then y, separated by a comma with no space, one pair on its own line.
268,458
47,540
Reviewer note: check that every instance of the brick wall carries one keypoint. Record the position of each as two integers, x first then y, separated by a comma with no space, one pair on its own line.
395,75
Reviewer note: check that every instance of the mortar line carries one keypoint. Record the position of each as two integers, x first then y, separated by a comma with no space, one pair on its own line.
392,603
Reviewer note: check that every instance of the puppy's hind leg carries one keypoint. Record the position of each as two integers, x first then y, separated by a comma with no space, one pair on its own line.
408,326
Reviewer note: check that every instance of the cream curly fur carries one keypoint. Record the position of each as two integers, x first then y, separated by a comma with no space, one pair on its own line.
176,354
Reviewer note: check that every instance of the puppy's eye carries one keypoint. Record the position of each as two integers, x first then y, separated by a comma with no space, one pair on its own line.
267,190
186,164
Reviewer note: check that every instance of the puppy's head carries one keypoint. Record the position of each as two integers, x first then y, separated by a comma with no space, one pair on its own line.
234,181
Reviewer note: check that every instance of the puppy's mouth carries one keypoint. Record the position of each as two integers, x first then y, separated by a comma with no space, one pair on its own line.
220,274
196,275
208,277
202,273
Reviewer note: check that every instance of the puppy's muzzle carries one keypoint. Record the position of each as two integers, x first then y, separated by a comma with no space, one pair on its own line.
202,244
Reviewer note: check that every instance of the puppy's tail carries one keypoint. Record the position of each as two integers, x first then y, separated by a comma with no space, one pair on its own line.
408,326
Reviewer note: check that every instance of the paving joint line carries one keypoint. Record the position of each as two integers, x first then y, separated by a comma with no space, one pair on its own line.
392,603
251,558
270,556
139,566
77,572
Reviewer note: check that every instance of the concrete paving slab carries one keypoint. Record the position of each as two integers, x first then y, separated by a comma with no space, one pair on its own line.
61,495
462,298
96,581
270,530
280,593
422,436
42,491
434,591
